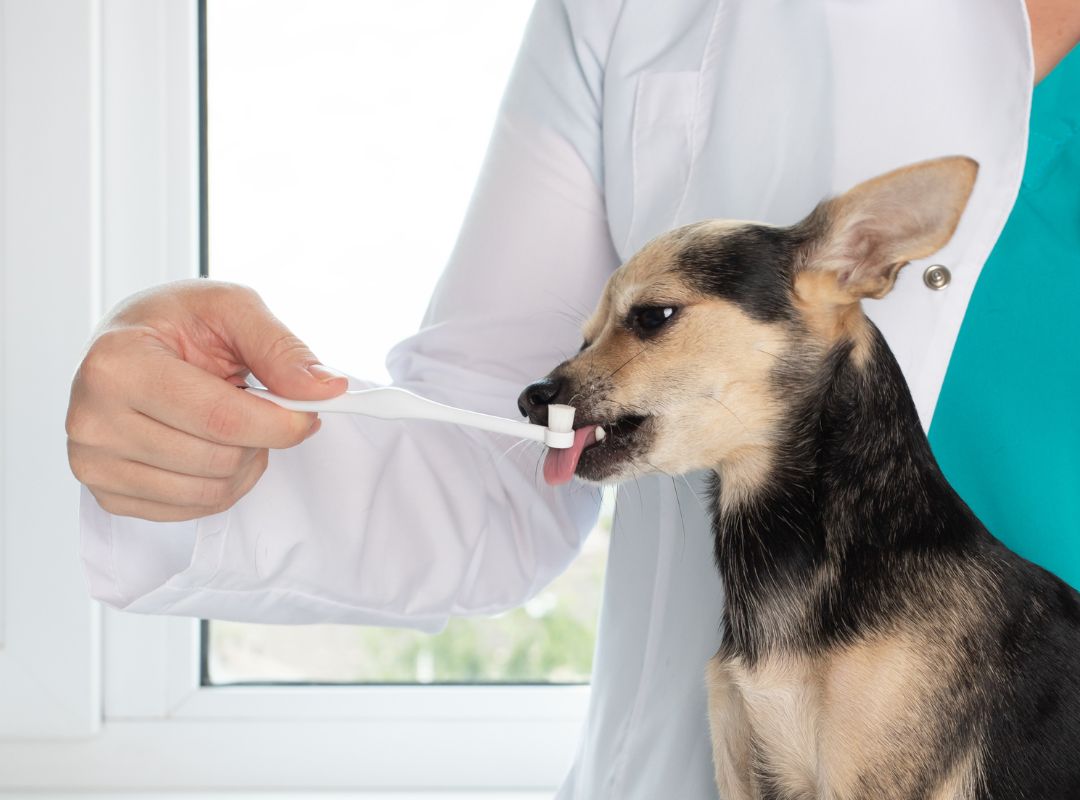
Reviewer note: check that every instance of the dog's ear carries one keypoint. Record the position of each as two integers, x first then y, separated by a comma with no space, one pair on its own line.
868,234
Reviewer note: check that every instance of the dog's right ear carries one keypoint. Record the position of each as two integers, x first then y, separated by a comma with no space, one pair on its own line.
865,236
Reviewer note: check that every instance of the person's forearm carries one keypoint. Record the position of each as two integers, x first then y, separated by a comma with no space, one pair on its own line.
406,523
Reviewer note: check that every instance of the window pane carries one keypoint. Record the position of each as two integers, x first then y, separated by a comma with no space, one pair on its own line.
344,139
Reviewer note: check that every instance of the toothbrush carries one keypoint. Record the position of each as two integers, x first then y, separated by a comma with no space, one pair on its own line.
390,402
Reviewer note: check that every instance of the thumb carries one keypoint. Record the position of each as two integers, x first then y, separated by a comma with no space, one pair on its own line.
278,358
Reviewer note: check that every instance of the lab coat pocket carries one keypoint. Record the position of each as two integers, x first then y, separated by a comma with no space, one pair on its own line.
664,112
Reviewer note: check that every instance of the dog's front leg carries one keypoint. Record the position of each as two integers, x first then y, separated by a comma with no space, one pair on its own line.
729,727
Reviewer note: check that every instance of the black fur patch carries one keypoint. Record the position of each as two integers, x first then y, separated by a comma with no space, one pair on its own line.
753,266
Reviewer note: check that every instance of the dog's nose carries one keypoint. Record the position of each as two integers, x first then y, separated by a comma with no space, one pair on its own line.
533,402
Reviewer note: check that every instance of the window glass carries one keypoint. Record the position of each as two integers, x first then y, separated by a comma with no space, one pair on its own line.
344,139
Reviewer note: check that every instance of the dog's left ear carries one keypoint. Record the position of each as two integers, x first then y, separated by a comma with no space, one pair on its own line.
868,234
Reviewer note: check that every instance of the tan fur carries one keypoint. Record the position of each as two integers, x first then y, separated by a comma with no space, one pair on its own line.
963,782
730,731
873,691
783,704
742,472
856,722
831,313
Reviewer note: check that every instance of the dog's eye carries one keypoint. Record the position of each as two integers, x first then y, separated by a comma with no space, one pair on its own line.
649,319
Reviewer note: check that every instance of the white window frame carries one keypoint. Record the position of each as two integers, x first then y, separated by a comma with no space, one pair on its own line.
101,193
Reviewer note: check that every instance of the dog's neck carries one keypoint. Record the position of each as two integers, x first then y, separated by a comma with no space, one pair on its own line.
854,500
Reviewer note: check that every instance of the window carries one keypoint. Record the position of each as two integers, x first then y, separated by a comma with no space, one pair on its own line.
335,129
100,124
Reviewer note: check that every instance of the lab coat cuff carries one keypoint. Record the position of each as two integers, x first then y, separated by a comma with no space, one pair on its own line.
126,559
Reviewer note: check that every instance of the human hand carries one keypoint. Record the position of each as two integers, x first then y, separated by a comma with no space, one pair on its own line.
156,425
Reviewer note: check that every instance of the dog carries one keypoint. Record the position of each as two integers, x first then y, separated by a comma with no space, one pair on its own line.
878,643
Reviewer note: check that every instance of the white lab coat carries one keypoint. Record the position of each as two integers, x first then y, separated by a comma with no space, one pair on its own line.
622,119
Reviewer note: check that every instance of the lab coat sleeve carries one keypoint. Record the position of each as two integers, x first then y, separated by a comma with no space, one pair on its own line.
408,523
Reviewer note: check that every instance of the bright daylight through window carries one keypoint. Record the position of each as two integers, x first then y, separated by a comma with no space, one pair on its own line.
344,138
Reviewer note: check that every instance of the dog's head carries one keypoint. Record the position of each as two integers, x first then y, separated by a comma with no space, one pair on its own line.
703,340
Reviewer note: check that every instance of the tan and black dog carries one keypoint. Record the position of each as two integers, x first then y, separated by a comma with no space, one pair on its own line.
879,643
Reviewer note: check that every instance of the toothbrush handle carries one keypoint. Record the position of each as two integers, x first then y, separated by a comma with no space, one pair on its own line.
391,402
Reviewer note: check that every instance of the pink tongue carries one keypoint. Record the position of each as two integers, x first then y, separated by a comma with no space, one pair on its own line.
559,465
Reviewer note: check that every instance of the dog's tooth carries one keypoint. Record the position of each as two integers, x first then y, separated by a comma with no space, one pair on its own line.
600,433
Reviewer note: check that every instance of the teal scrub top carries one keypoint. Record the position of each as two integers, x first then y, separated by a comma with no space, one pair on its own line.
1006,429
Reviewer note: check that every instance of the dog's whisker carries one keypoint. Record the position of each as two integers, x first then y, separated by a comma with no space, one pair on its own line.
581,315
537,468
728,409
571,319
638,353
694,493
678,502
523,444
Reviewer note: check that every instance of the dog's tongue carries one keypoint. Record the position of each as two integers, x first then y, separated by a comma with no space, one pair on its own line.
560,464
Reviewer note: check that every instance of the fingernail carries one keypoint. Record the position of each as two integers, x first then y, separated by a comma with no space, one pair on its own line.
324,374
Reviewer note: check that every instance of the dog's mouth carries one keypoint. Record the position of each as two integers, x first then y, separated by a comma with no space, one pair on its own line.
596,460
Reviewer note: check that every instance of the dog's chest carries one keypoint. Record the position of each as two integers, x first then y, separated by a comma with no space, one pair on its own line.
818,727
782,703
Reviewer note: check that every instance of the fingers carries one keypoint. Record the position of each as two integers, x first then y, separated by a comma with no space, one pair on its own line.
131,369
144,509
275,355
188,399
137,437
134,489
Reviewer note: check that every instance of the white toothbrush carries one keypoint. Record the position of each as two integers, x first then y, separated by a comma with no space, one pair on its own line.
390,402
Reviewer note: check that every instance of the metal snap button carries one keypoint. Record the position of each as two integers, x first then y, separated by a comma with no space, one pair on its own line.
937,277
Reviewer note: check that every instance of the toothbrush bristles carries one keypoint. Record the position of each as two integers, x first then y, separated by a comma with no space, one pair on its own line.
560,418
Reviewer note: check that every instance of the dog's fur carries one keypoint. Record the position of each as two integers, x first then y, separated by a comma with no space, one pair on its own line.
878,643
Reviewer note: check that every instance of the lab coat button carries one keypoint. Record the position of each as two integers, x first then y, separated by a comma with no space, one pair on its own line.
937,277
